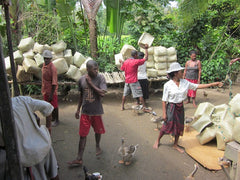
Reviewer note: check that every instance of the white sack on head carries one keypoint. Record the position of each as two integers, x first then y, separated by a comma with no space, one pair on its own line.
39,60
126,51
68,56
30,66
61,65
26,44
38,48
18,57
78,59
59,47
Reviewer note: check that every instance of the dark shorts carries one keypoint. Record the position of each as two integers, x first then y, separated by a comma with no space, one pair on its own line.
135,88
54,101
144,84
87,121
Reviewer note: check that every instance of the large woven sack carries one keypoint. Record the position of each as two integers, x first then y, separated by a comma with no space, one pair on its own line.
68,56
78,59
150,58
161,66
26,44
172,58
23,76
38,48
204,108
203,122
61,65
222,113
152,73
207,135
235,105
162,72
29,54
160,58
224,134
59,47
47,47
8,65
160,51
145,38
118,57
126,51
73,73
171,51
57,55
39,60
18,57
150,50
150,64
30,66
236,130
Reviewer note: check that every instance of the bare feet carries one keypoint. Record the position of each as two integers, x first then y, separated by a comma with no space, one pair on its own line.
120,161
178,148
194,105
122,108
156,145
186,102
75,162
98,151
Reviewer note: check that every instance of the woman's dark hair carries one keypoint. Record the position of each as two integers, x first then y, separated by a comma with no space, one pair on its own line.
171,74
192,52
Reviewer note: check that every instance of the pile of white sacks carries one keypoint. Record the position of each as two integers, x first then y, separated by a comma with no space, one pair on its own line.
159,59
29,60
220,122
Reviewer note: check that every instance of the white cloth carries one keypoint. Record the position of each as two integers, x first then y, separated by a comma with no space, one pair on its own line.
174,94
142,73
34,142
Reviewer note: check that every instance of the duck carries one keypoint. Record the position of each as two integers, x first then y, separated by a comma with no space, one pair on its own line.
191,175
127,153
157,121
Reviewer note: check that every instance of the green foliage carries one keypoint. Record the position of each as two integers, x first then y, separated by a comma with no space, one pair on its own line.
32,89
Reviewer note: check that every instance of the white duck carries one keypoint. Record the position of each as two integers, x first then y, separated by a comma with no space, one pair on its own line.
127,153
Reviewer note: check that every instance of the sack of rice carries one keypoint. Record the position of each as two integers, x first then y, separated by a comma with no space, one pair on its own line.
223,135
47,47
117,58
30,66
203,122
8,65
236,132
160,58
172,58
145,38
150,64
23,76
83,68
160,51
78,59
204,108
61,65
59,47
29,54
162,72
26,44
73,73
235,105
18,57
207,135
152,73
171,51
68,56
126,51
39,60
57,55
38,48
219,113
161,66
150,58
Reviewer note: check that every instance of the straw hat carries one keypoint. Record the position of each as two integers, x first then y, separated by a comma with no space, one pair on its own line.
175,67
47,54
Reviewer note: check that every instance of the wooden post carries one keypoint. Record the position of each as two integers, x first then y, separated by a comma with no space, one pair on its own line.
8,126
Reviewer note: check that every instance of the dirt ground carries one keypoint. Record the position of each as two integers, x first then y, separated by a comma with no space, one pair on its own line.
164,163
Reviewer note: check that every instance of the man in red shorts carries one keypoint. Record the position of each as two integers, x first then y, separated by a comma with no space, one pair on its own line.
92,88
50,85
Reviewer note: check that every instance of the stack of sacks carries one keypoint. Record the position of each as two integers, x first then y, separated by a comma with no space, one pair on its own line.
214,122
29,60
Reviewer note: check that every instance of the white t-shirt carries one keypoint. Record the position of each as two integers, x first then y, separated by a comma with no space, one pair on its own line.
174,94
142,74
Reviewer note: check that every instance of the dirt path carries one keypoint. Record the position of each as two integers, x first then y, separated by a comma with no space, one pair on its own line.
164,163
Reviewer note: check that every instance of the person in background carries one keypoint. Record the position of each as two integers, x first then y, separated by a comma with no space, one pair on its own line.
34,142
92,88
50,85
192,73
142,78
174,92
130,67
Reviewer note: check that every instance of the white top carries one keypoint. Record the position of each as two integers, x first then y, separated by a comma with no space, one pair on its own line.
142,73
34,142
174,94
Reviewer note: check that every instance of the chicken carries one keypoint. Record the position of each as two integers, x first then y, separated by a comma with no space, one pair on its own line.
127,153
157,121
190,176
205,94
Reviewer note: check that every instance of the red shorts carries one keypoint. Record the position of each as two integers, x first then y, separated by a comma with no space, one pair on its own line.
54,101
87,121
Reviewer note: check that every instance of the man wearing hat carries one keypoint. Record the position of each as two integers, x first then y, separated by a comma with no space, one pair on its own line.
50,85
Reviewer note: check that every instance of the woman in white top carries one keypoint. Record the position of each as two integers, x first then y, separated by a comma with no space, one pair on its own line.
174,92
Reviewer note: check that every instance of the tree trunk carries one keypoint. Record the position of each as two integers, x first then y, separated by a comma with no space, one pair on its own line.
93,38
